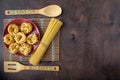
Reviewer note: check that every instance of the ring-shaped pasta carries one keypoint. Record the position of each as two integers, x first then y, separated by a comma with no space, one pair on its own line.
14,48
20,37
13,29
25,49
8,39
32,39
26,28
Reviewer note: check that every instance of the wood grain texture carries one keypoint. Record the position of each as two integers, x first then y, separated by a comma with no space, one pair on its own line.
90,40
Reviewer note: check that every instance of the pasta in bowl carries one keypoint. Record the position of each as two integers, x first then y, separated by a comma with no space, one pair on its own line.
32,39
20,37
17,39
26,28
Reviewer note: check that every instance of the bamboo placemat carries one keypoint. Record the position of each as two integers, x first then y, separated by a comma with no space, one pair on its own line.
52,53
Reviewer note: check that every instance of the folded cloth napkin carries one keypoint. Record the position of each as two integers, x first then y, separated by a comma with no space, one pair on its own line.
52,53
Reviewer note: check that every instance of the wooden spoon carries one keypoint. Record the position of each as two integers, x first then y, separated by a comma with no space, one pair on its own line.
49,11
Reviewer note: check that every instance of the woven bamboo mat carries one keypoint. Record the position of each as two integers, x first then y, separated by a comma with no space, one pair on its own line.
52,54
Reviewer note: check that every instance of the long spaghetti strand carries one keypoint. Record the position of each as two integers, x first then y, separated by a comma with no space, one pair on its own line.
52,29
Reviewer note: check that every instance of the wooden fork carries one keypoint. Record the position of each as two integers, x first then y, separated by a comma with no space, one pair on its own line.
10,66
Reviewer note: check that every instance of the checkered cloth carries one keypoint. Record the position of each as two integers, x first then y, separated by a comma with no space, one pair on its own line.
52,54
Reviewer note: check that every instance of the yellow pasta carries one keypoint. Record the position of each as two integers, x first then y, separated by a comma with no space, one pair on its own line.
8,39
13,29
26,28
51,31
20,37
32,39
25,49
14,48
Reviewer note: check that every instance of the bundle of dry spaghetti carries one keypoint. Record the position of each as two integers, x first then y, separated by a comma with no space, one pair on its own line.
52,29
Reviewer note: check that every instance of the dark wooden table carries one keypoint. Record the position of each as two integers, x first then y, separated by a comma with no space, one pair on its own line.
90,39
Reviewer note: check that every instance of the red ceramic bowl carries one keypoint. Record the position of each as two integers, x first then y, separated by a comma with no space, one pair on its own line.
18,22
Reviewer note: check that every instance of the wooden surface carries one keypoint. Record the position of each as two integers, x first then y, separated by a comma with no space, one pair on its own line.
90,40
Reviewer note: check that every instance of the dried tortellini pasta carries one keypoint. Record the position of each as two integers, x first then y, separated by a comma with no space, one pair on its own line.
13,29
32,39
20,37
26,28
14,48
25,48
8,39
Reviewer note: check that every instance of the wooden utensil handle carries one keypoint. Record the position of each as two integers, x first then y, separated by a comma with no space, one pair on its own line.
42,68
20,12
